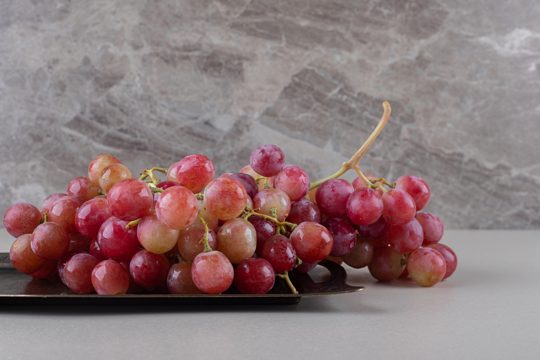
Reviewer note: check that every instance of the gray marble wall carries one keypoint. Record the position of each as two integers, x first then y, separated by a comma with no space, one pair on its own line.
151,81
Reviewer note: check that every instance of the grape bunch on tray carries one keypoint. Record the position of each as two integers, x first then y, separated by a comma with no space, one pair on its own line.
111,233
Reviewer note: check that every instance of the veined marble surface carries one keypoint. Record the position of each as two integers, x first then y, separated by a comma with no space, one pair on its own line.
152,81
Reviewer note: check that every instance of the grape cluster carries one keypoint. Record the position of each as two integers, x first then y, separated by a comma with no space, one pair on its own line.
112,234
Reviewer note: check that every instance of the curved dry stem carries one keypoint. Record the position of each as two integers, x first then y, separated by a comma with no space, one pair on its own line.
206,244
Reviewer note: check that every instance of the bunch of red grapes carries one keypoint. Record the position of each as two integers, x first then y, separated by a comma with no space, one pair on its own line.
196,233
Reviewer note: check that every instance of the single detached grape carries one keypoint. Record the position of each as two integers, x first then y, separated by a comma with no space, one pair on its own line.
179,279
272,202
212,272
96,166
417,188
22,257
82,188
426,266
344,235
364,207
91,215
130,199
433,227
63,212
332,197
405,238
304,210
177,207
248,182
264,229
50,241
279,252
190,241
115,241
254,276
77,273
21,218
399,207
449,257
112,175
311,241
194,172
387,264
267,160
149,270
156,237
293,180
237,239
110,278
360,256
49,202
225,198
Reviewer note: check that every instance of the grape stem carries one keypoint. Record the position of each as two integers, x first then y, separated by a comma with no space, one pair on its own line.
133,223
149,173
285,276
45,217
206,244
352,163
248,213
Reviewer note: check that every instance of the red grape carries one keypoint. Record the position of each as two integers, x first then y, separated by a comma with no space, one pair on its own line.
96,166
360,256
364,207
373,231
312,242
194,172
225,198
304,210
433,227
417,188
21,218
82,188
48,271
117,242
264,229
267,160
95,250
112,175
179,279
269,200
399,207
149,270
254,276
449,257
212,272
78,243
50,241
110,278
426,266
164,185
344,235
248,182
177,207
249,171
190,242
156,237
279,252
91,215
130,199
63,212
22,257
387,264
77,273
49,202
332,197
405,238
237,239
293,180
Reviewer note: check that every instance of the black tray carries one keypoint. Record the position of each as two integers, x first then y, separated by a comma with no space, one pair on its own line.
20,289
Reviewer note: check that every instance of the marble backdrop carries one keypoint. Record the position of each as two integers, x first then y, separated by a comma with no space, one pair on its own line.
151,81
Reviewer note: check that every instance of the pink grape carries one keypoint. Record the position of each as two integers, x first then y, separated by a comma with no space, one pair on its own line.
177,207
417,188
194,172
225,198
332,196
293,180
433,227
48,271
96,166
249,171
248,182
91,215
373,231
49,202
190,242
311,241
82,188
210,219
268,200
267,160
49,241
22,257
130,199
405,238
237,239
359,183
149,270
95,250
179,279
77,273
364,207
115,241
110,278
387,264
449,257
63,212
426,266
280,253
164,185
254,276
360,256
264,229
112,175
344,235
399,207
304,210
212,272
155,236
21,218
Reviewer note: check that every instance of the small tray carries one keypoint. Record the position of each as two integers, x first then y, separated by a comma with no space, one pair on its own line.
20,289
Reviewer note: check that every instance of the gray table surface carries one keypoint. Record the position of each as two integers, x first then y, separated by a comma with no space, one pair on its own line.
489,309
